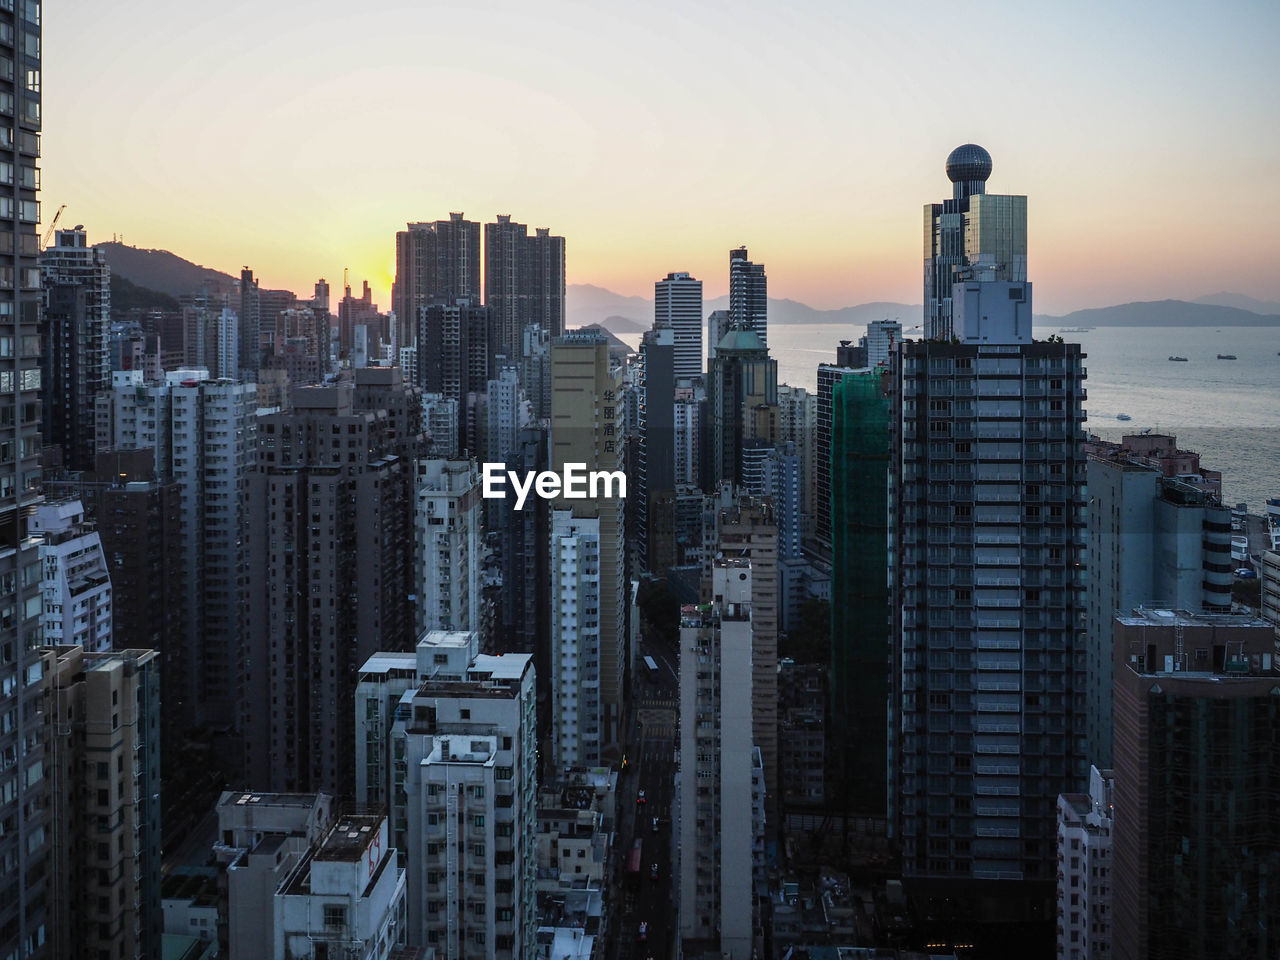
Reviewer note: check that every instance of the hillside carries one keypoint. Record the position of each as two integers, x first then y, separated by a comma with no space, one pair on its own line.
1162,313
126,295
165,272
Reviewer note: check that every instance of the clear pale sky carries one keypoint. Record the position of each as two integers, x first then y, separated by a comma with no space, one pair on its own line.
297,138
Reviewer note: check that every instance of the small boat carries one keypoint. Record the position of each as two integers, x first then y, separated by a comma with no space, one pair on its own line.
1226,356
1075,329
1179,359
1123,416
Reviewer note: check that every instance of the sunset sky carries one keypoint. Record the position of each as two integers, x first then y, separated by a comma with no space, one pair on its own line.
297,139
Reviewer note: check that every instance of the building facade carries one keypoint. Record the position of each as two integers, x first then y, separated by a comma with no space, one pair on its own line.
449,546
330,568
748,295
467,797
76,582
714,780
973,235
435,260
1085,875
1197,764
859,480
77,324
677,306
1153,539
103,712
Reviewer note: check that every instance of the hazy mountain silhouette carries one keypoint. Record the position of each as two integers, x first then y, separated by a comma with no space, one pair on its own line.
165,272
1161,313
586,303
1241,302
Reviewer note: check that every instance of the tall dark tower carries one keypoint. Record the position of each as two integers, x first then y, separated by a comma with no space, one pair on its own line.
987,566
435,261
24,847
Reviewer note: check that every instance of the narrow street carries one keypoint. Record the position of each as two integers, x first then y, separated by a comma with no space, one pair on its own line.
651,753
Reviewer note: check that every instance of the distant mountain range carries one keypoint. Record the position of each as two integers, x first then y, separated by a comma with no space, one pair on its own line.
1165,313
587,304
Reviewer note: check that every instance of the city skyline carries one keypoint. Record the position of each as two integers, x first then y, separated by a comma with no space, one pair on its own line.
272,154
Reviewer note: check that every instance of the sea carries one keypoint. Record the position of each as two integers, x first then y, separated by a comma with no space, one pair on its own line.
1226,410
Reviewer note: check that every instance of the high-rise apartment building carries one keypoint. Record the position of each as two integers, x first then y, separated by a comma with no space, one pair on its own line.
1197,763
523,283
330,568
139,520
717,327
435,261
577,711
987,565
828,376
748,295
24,921
859,682
747,529
464,799
1086,878
76,582
879,341
77,325
655,468
453,360
1152,540
741,379
524,603
677,306
974,235
449,546
585,414
203,436
717,816
103,733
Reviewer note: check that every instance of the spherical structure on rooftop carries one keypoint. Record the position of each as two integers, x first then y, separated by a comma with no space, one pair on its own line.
968,162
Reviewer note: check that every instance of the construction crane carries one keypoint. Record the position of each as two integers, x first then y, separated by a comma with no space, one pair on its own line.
53,223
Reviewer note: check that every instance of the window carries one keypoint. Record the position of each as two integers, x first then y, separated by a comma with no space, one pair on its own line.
479,820
335,915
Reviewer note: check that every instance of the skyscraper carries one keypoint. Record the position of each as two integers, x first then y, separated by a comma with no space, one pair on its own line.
859,687
77,367
655,472
329,574
719,819
77,586
974,235
436,260
677,306
463,805
449,546
585,413
104,713
523,283
741,378
748,295
1152,539
453,360
987,561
